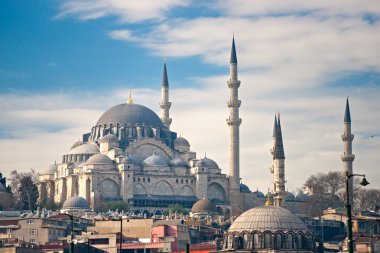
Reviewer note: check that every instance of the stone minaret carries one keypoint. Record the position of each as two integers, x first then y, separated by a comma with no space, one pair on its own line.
165,104
347,156
278,167
234,122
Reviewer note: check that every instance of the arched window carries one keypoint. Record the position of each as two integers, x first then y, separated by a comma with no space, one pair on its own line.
289,241
299,241
267,241
278,241
249,241
256,241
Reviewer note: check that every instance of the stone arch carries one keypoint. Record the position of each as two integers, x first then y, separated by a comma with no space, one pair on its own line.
109,190
216,192
163,188
186,191
143,148
139,189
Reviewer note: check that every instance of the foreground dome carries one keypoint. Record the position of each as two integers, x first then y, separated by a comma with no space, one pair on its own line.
99,159
207,162
268,218
130,114
156,161
75,203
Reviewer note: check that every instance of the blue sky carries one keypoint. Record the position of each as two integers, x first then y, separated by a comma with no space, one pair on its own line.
63,63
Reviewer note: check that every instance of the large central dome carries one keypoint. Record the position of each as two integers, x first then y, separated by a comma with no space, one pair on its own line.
130,114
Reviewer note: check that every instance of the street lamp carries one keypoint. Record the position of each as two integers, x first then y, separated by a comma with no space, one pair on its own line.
364,182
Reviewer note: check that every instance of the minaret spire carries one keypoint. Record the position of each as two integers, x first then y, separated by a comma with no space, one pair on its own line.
165,104
347,156
278,167
234,122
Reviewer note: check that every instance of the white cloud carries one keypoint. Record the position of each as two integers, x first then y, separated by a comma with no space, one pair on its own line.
130,11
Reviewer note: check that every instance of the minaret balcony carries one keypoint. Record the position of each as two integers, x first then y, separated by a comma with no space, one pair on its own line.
165,105
347,157
233,83
233,122
347,137
233,103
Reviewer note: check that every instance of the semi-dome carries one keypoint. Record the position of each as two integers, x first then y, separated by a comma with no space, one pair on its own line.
204,206
108,138
268,218
99,159
207,162
155,160
85,148
178,162
76,144
244,188
129,160
130,114
180,141
75,203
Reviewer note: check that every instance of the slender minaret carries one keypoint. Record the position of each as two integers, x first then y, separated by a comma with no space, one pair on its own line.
234,122
347,156
165,104
278,167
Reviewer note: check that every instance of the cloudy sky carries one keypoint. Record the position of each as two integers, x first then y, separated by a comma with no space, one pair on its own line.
63,63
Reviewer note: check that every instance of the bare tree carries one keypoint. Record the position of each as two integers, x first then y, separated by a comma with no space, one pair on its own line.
15,181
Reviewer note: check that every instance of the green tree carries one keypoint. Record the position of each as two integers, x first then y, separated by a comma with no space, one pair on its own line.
29,193
176,208
113,205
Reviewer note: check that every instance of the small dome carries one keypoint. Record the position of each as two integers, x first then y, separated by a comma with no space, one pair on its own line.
206,162
156,161
129,160
76,203
108,138
290,196
268,218
76,144
49,170
302,197
99,159
204,206
85,148
259,194
180,141
178,162
244,188
130,114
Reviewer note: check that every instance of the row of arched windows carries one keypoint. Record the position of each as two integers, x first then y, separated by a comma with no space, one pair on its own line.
269,240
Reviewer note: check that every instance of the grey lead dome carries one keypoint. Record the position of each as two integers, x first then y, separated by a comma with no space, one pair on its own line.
130,114
268,218
76,203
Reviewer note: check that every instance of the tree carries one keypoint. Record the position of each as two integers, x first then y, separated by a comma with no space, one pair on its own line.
3,180
16,184
29,193
176,208
113,205
367,199
325,190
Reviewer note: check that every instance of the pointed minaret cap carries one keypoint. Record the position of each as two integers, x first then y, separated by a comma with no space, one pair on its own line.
275,127
347,115
278,149
165,82
233,58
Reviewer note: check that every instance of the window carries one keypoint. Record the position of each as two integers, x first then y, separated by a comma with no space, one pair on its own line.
148,179
33,231
30,221
9,231
32,240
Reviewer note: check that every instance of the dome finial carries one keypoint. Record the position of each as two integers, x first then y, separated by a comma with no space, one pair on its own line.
130,100
268,203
